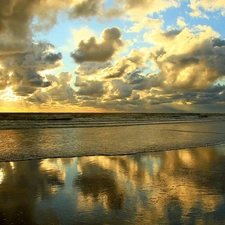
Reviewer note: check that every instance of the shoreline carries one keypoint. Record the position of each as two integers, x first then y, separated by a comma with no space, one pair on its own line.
222,144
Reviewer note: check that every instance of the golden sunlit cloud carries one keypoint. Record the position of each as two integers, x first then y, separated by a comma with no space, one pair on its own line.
8,95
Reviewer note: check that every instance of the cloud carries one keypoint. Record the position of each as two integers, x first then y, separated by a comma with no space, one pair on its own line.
90,87
136,59
15,17
86,8
117,89
146,23
201,6
79,34
143,82
24,90
39,97
4,78
59,92
189,60
21,70
52,57
171,33
113,13
111,70
189,63
181,22
92,68
62,92
93,51
138,9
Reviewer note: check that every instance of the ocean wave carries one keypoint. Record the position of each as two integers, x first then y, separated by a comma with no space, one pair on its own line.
79,120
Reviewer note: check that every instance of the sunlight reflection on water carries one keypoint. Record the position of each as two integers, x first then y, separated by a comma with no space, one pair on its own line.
171,187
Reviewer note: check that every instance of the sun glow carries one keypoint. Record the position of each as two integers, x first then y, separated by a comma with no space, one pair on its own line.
8,95
1,175
46,72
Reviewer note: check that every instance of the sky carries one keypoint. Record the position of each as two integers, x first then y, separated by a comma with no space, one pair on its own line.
112,56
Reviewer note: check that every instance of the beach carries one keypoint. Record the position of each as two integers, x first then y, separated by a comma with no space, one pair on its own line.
163,172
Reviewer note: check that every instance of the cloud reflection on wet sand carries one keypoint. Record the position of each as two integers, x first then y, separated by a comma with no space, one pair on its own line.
172,187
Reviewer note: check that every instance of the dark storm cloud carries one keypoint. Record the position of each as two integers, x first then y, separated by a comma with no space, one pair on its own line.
92,51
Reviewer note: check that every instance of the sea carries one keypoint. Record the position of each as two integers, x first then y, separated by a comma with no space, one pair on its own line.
47,135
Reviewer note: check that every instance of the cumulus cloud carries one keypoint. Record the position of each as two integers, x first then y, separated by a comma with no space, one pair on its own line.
112,70
117,89
189,60
189,63
22,70
143,82
136,59
93,51
79,34
59,92
62,92
92,88
199,6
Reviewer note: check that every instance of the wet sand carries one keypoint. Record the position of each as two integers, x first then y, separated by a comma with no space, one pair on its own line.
171,187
